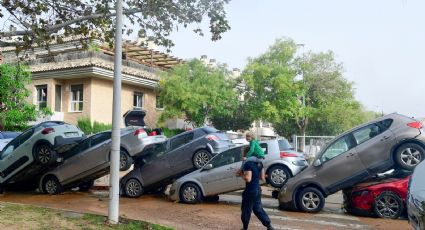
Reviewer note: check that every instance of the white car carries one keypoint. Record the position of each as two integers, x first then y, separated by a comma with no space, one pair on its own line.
37,148
6,137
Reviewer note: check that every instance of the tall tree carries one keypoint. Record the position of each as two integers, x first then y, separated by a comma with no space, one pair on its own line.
15,110
197,92
38,21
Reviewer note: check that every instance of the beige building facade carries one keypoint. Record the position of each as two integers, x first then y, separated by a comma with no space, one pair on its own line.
76,84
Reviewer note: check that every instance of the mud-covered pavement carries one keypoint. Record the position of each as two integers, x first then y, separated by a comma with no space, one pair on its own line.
221,215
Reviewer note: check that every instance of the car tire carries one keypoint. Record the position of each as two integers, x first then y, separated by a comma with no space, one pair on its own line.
278,175
125,160
200,158
51,185
190,193
86,186
409,155
388,205
133,188
310,200
44,154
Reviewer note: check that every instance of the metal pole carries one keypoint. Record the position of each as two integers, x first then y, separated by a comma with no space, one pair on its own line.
113,212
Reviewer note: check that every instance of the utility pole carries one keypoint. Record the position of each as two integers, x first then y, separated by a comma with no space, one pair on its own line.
113,211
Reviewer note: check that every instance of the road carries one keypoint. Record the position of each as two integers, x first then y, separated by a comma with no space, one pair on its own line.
219,215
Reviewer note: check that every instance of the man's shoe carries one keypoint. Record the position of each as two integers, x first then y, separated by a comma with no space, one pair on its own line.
270,227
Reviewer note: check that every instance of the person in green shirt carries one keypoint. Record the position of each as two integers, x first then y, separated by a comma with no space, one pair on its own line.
255,152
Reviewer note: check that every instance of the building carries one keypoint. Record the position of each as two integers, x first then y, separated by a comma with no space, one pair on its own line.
76,83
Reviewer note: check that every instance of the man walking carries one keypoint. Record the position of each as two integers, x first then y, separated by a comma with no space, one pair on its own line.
251,197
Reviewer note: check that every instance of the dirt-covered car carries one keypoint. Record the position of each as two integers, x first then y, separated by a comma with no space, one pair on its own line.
35,149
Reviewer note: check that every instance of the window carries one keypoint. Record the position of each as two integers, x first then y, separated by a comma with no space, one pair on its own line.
366,133
337,148
159,104
58,98
264,147
386,124
100,138
76,98
41,96
138,100
228,157
284,145
181,140
151,153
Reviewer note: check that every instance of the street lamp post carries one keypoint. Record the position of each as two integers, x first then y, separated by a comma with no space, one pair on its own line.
113,211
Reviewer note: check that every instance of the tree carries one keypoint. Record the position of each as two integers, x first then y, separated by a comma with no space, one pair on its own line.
15,110
239,118
197,92
322,103
38,21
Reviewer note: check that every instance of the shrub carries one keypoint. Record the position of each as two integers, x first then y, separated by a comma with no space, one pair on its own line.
172,132
85,125
100,127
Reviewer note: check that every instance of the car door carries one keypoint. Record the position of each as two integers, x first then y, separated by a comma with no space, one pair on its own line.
374,143
156,165
15,155
340,165
98,152
222,176
180,155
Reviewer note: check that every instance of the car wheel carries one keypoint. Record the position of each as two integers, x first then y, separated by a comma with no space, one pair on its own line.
409,155
86,186
125,161
388,205
200,158
310,200
133,188
44,154
190,194
51,185
278,175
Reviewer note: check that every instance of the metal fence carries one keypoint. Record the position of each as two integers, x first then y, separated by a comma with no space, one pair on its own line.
310,145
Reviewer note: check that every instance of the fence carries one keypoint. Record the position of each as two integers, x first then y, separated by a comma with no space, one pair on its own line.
310,145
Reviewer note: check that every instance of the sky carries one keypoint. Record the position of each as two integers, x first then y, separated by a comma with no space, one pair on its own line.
381,43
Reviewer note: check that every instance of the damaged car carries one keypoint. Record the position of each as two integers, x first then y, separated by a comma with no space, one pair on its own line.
391,141
416,198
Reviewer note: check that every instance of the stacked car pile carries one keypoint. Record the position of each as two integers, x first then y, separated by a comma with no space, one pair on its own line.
390,142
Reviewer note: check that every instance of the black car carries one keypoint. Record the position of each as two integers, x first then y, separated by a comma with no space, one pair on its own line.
161,163
416,198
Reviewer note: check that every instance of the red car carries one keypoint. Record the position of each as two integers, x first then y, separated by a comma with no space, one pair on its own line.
381,197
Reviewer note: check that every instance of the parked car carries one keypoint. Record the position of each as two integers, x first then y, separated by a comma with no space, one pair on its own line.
179,155
35,149
6,137
416,198
384,196
354,156
90,159
218,176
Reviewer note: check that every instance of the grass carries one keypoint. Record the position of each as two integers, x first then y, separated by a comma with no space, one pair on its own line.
15,216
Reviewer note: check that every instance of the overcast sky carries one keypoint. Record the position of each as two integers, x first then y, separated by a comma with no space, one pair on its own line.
380,42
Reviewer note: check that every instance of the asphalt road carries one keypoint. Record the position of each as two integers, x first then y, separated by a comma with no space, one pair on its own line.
219,215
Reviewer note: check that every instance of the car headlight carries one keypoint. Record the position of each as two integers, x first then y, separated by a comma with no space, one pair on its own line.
299,163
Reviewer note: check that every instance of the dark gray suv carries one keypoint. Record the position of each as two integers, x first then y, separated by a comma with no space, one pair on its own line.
375,147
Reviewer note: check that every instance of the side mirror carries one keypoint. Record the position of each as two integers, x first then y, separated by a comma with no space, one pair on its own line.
208,167
317,163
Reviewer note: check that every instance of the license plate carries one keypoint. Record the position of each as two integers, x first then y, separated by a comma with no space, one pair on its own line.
72,134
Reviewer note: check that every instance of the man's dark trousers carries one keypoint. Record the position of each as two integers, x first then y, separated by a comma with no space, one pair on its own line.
252,202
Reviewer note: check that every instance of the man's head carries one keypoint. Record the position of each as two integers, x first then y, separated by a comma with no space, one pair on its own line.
249,136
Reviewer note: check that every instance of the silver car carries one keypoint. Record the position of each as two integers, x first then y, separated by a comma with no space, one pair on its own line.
416,198
6,137
218,176
89,160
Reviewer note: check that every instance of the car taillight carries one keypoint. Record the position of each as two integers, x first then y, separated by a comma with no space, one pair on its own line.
285,154
153,133
140,132
47,131
212,138
415,125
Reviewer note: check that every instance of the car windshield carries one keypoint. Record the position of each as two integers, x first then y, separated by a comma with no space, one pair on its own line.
284,145
154,152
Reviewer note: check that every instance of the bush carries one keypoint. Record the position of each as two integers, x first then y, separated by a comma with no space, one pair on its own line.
172,132
86,126
100,127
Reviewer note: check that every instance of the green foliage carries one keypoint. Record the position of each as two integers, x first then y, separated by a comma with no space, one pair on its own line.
240,119
95,19
172,132
15,109
88,127
100,127
197,92
322,103
85,125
